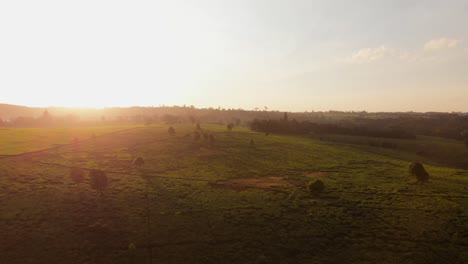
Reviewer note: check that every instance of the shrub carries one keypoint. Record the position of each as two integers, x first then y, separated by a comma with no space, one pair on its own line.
230,126
98,180
77,175
417,169
171,131
138,162
316,187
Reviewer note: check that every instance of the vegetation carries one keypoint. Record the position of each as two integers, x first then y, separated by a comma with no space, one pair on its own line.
98,180
171,131
224,202
16,141
316,187
417,169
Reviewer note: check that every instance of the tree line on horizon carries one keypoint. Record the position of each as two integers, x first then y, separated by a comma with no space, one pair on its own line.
391,125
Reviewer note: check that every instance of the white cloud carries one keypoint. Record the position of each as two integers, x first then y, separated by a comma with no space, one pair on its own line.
369,55
441,43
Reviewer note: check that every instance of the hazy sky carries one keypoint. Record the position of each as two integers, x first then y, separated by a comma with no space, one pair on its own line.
289,55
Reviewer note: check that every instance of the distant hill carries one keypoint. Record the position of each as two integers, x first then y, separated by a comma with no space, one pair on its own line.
8,111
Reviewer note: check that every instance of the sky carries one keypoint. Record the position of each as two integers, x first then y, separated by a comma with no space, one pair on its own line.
289,55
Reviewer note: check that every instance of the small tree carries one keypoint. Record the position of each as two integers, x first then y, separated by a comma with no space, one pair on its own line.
417,169
98,180
230,126
171,131
316,187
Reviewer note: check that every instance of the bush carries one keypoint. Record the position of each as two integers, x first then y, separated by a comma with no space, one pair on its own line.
77,175
98,180
171,131
138,162
417,169
316,187
230,126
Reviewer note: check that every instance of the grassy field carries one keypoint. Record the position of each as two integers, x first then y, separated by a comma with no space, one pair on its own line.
433,150
227,201
19,140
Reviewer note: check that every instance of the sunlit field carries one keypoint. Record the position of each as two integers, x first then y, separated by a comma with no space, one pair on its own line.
218,196
21,140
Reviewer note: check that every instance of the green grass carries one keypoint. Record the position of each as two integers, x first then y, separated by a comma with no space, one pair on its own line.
370,212
20,140
433,150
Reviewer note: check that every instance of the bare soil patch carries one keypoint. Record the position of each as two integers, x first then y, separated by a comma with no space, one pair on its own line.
240,184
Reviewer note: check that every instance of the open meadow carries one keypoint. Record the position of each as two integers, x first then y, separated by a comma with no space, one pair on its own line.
217,196
17,141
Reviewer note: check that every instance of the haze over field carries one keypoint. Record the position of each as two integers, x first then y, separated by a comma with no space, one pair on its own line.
287,55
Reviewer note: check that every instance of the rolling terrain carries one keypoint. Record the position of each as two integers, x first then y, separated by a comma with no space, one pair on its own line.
239,197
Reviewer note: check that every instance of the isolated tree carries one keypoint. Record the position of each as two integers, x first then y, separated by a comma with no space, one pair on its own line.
77,175
98,180
171,131
138,162
46,118
316,187
285,117
230,126
417,169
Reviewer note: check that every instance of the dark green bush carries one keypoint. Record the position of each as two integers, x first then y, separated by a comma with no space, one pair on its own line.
315,187
417,169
